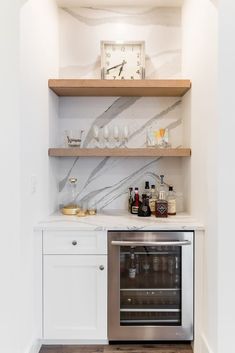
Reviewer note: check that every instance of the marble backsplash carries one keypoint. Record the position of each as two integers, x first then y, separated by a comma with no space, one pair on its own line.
105,181
82,29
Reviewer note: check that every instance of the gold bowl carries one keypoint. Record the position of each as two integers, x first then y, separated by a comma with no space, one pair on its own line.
81,213
70,210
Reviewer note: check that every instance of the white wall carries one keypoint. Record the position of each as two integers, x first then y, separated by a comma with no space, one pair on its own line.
226,177
199,63
39,61
9,176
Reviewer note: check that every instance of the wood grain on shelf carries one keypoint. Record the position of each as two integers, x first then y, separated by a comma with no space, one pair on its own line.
119,152
136,88
121,348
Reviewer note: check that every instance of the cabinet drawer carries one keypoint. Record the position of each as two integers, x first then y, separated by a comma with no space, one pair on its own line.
75,242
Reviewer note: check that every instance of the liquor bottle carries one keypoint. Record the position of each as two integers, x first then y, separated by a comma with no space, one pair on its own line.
161,206
136,203
132,264
144,209
147,190
171,202
130,199
153,199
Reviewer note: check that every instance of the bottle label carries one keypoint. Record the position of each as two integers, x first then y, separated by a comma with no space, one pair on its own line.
135,209
162,208
152,205
171,206
132,272
144,209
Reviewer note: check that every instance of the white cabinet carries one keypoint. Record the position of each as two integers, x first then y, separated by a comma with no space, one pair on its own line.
75,294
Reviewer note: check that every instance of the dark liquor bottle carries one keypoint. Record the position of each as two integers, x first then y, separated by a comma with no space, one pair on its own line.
144,209
161,208
136,203
130,199
147,191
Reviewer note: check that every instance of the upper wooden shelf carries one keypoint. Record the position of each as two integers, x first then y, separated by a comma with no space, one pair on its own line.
119,152
135,88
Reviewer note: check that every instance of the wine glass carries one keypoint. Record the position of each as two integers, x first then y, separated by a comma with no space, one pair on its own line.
96,136
106,136
125,135
116,135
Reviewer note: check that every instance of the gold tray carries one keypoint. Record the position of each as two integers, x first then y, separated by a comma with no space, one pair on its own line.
70,210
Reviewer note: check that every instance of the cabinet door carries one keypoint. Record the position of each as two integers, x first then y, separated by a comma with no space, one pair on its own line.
75,296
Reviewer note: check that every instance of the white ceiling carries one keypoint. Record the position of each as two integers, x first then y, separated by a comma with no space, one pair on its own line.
119,3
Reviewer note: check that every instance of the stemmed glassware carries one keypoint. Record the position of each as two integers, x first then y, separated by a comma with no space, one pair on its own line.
116,135
104,139
96,136
106,136
125,135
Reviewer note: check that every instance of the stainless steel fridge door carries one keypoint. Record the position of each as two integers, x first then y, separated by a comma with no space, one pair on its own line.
146,322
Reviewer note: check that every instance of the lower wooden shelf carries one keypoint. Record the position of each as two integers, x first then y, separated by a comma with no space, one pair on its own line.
119,152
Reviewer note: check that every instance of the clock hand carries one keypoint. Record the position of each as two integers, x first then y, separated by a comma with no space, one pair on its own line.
120,71
114,67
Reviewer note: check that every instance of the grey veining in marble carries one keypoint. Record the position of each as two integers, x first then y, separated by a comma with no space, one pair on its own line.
153,16
160,28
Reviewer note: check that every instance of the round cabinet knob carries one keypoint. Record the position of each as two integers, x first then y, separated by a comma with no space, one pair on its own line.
74,242
101,267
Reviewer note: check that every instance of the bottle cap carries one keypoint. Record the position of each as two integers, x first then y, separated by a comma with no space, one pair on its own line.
130,189
136,188
144,196
146,185
162,177
170,187
152,186
73,180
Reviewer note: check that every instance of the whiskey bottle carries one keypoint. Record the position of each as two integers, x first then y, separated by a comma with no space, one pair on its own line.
136,203
161,206
130,199
171,202
153,199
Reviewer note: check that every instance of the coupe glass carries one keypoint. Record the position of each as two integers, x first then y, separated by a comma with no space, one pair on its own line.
125,135
116,135
96,136
106,136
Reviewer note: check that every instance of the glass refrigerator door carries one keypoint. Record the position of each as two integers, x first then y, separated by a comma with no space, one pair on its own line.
150,286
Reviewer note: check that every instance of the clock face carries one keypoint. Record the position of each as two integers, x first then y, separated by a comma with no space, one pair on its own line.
122,60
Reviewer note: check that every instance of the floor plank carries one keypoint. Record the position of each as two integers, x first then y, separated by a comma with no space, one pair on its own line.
119,348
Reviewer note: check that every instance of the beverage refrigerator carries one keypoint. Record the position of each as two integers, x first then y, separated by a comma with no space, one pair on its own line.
150,285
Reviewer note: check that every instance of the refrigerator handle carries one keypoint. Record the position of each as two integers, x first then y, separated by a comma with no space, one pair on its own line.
150,243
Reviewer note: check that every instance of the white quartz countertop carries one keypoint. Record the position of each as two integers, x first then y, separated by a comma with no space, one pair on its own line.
118,220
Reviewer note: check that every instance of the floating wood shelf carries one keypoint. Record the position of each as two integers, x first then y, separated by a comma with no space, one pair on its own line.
119,152
135,88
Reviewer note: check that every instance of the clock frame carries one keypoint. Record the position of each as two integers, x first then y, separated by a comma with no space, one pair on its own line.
122,60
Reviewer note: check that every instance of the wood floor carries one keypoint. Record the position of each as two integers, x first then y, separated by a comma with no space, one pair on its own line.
133,348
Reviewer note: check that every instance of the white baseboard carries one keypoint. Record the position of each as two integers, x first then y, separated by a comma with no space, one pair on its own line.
72,342
205,348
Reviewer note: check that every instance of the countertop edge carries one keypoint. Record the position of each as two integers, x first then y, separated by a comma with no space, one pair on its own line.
124,222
